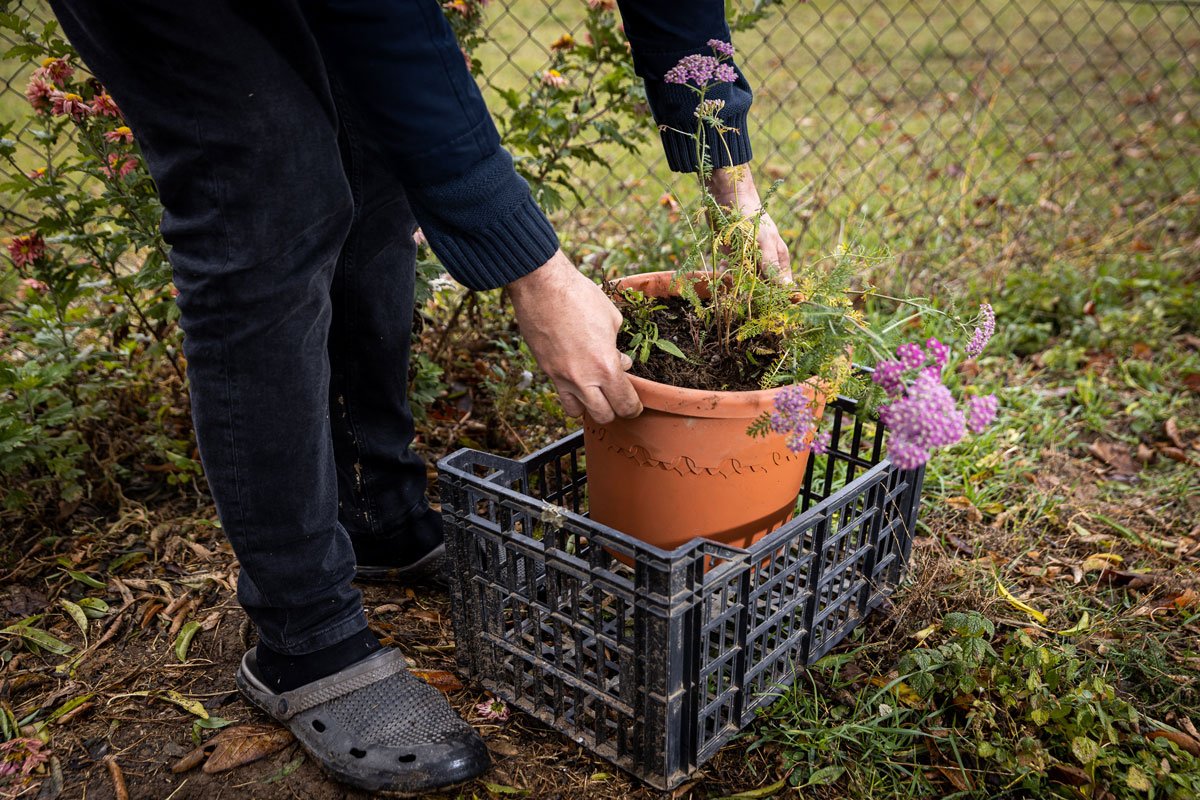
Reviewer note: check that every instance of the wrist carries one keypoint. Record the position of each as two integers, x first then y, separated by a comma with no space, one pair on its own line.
732,185
550,274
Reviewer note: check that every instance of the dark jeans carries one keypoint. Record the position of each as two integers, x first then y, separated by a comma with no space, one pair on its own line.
293,255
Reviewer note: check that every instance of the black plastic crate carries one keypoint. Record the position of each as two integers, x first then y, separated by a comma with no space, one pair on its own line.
656,665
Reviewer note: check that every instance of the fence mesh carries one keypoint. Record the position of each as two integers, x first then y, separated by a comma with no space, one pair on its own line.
939,114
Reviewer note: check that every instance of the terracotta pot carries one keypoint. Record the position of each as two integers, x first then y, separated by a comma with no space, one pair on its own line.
687,467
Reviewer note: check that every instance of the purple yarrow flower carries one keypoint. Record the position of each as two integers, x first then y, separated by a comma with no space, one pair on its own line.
821,442
906,455
721,48
699,71
888,376
793,416
981,412
923,419
940,353
911,355
984,331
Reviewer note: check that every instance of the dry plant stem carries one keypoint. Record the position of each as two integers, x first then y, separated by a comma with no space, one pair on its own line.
120,791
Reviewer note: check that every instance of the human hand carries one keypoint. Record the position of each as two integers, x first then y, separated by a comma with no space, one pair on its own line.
571,328
734,189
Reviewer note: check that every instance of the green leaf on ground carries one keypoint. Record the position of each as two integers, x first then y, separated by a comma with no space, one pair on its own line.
76,613
184,640
38,637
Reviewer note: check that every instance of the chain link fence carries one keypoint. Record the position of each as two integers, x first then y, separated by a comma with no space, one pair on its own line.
936,114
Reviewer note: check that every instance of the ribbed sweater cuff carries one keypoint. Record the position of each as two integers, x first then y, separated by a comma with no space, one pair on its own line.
511,247
735,150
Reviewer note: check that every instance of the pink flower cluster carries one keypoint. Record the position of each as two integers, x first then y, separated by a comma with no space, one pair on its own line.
922,414
22,756
700,71
984,331
793,417
981,411
920,419
721,48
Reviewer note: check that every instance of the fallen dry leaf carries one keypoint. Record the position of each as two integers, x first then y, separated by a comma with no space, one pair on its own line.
1192,381
1098,562
1068,774
1115,455
1176,454
439,679
1182,740
426,616
1144,454
1171,428
956,777
235,748
1126,580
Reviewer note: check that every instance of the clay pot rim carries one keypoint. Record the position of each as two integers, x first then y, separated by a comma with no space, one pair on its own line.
710,404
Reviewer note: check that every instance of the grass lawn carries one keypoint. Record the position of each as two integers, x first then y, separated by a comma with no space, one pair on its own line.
1045,157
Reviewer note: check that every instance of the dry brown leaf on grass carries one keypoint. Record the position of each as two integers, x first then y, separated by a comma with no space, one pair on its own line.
1182,740
1184,600
1171,428
1069,774
439,679
1115,455
236,747
1176,454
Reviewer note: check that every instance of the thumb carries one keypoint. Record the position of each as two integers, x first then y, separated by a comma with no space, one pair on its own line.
626,362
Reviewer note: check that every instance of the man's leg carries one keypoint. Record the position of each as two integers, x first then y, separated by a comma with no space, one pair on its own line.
231,105
241,137
381,482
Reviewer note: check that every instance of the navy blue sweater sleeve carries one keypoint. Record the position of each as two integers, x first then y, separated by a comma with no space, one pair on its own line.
660,33
400,65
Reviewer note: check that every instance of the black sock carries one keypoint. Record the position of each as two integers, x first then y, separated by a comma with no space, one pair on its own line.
282,673
415,540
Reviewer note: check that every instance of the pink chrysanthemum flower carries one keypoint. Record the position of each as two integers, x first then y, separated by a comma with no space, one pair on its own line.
121,134
119,166
38,93
25,250
553,78
68,104
22,756
983,331
54,70
981,412
603,5
31,287
104,106
494,709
